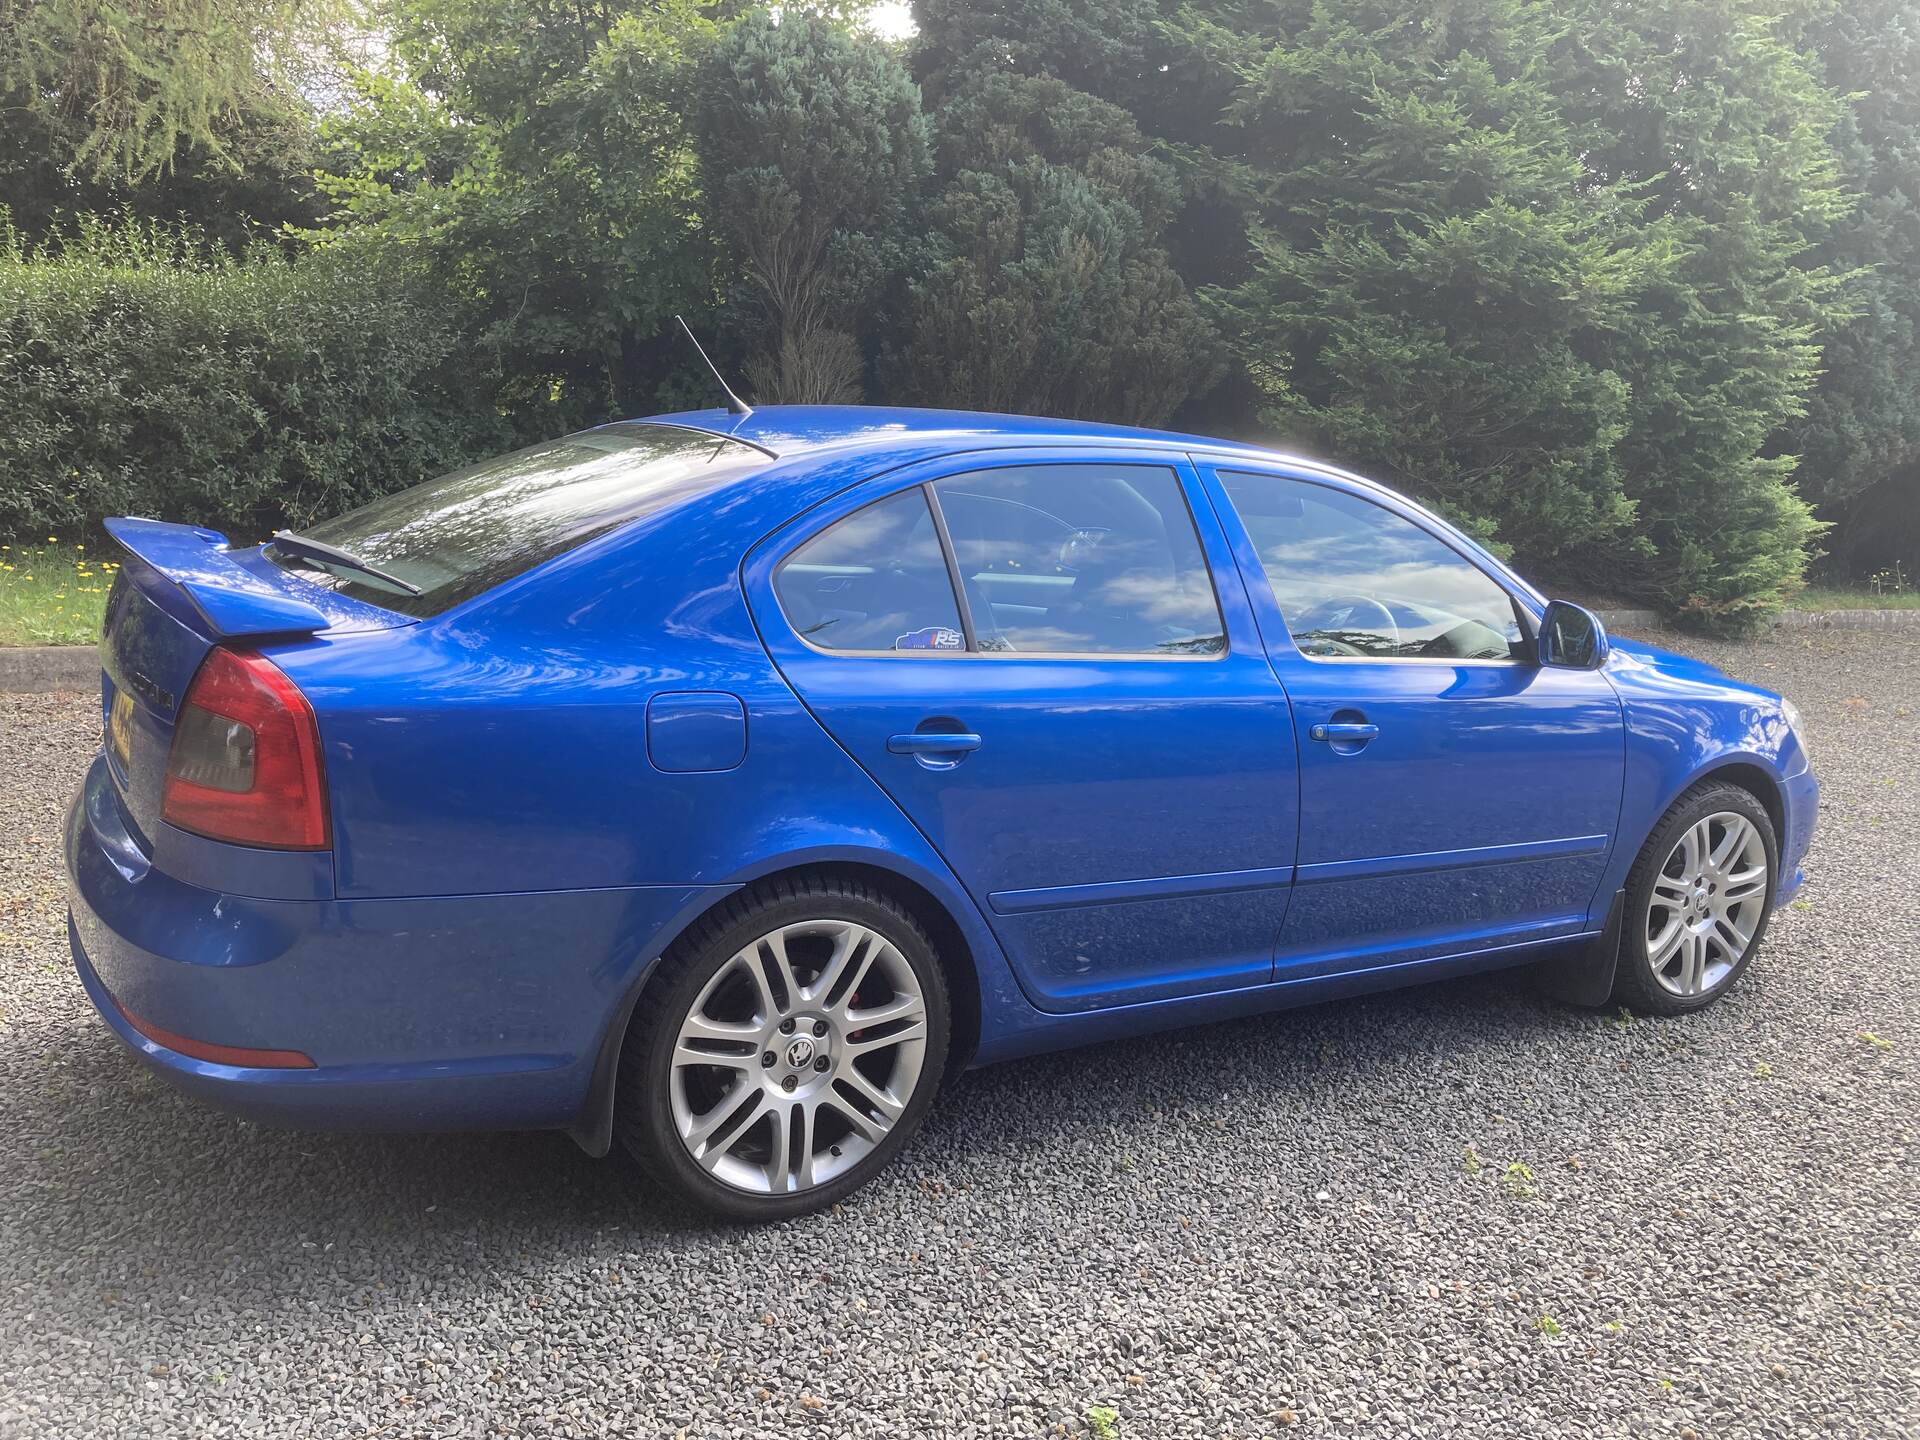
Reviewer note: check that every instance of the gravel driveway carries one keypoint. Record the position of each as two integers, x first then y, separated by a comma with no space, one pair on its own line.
1460,1210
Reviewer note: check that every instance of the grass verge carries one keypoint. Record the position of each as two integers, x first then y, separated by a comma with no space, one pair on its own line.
52,594
1819,597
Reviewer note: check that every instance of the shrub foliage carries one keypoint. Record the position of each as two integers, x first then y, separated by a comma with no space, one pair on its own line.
144,375
1613,282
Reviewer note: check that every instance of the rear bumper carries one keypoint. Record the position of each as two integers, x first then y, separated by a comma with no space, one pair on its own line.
463,1012
383,1097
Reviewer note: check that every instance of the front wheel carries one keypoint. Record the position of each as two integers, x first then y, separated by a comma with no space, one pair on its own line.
1698,898
789,1046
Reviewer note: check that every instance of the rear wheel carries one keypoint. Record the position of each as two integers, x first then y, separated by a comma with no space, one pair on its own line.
790,1045
1698,898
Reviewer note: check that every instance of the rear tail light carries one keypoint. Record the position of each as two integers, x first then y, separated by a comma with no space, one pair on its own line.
245,765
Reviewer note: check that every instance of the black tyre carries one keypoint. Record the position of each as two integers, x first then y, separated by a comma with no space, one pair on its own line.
788,1047
1698,899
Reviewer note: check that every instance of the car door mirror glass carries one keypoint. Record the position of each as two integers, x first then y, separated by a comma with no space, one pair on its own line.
1572,637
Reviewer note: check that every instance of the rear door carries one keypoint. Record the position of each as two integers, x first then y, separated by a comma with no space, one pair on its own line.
1456,797
1088,730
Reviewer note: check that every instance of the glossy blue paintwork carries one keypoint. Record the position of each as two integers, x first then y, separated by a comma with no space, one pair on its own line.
233,594
230,601
696,730
1148,777
535,792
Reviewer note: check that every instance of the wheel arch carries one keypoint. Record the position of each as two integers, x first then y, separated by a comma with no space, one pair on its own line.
950,944
1644,989
1749,774
958,941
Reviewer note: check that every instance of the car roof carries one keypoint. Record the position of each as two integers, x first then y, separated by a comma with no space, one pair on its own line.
817,451
785,431
790,432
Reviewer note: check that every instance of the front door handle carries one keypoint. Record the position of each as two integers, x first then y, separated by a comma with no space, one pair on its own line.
933,742
1349,733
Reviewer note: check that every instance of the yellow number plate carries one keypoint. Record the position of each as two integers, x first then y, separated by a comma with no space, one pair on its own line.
120,727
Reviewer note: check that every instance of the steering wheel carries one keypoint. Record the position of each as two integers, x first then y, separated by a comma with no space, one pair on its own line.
1326,618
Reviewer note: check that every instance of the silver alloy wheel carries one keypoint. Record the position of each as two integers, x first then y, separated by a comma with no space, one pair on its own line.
1708,900
798,1056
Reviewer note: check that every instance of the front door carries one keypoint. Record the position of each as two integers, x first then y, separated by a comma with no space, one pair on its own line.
1088,730
1455,796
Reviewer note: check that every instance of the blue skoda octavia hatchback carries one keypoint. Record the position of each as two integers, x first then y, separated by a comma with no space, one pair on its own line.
715,785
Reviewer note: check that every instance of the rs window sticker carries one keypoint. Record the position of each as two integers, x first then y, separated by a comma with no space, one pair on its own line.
931,637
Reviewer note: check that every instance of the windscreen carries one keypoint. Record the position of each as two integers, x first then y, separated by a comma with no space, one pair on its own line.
466,532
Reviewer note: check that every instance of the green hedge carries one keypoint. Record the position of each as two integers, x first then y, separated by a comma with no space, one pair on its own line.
141,373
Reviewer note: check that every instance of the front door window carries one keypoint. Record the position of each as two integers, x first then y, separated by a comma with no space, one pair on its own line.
1355,580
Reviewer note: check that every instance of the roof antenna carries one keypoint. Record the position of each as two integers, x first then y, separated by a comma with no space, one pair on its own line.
735,404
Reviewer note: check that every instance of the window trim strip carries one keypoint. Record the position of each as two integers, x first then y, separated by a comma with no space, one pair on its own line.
960,600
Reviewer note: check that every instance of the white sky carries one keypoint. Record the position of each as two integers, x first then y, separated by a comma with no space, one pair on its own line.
891,19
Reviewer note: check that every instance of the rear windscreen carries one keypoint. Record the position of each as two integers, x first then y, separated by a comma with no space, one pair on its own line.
468,531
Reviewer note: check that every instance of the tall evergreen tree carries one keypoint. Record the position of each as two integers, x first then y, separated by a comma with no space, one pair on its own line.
1052,290
538,155
1860,440
1430,278
258,184
813,150
1709,111
175,111
125,88
1550,270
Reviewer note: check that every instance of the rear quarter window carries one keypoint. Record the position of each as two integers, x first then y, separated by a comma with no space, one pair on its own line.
463,533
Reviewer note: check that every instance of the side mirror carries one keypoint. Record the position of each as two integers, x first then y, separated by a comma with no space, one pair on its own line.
1572,637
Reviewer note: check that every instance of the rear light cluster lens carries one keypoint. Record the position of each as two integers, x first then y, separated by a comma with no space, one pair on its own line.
219,1054
245,765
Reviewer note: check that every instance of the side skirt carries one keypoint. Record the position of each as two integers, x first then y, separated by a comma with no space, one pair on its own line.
1043,1032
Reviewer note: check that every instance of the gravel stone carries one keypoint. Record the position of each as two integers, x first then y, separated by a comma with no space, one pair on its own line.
1460,1210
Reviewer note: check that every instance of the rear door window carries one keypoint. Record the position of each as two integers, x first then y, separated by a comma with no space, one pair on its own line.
468,531
875,581
1081,560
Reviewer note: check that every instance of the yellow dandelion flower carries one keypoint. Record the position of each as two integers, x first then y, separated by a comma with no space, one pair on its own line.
53,539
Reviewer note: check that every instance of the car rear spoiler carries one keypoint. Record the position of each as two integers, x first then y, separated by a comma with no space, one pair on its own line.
229,601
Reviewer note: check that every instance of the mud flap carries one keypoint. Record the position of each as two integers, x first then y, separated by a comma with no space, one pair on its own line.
1583,975
592,1128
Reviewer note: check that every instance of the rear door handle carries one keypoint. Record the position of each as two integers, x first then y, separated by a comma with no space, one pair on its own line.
925,742
1343,732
